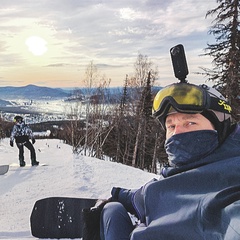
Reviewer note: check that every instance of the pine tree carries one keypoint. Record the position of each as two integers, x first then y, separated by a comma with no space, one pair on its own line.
225,52
120,120
143,130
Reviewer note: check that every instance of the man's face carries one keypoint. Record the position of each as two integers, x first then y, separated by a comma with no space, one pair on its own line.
181,122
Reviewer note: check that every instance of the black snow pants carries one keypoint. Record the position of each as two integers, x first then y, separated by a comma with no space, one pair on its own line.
29,146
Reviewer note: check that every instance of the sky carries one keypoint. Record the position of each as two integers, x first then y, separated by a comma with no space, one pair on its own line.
51,43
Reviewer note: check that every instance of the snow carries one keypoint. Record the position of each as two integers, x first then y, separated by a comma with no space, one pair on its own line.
65,175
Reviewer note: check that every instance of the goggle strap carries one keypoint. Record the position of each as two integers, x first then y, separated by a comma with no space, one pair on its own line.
220,105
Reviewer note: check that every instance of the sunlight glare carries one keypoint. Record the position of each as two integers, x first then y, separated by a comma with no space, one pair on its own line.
36,45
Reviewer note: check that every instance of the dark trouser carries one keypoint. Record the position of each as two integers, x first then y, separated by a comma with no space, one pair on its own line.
115,222
29,146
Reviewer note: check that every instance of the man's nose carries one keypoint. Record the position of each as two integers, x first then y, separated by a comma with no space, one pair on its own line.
179,129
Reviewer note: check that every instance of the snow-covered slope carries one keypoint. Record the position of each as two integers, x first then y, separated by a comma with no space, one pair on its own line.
65,175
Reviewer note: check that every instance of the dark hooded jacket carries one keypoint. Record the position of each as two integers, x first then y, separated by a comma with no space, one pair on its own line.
199,200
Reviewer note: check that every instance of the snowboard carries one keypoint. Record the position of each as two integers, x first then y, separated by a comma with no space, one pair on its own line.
3,169
27,165
59,217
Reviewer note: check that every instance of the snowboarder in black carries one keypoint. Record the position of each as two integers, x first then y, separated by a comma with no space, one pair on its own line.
22,133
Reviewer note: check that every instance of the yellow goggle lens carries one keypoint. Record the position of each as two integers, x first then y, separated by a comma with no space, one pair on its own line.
182,94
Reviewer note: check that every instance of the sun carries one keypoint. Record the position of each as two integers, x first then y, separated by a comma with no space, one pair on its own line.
36,45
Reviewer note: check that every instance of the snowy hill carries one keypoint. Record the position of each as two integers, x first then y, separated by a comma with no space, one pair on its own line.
66,175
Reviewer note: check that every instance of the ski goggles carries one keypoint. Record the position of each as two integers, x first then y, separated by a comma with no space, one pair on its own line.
17,120
186,98
182,97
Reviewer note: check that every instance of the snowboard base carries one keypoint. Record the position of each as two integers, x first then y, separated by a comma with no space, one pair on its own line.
59,217
3,169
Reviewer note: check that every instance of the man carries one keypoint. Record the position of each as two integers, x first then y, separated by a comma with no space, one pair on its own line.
22,133
197,194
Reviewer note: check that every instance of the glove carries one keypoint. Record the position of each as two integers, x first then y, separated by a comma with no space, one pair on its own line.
33,140
91,220
115,192
11,143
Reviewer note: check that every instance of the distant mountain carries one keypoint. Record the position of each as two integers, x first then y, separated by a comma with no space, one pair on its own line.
31,92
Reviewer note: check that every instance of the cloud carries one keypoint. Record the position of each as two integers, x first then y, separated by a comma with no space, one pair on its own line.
111,33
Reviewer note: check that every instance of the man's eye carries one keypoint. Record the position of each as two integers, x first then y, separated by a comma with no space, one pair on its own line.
171,127
191,123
